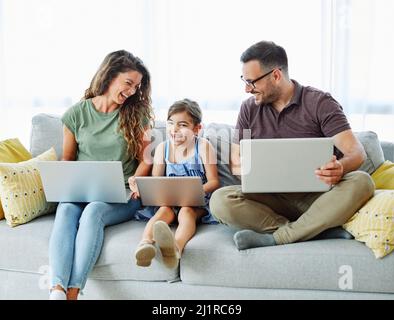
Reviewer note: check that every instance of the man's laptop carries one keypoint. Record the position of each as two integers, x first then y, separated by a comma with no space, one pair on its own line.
171,191
83,181
284,165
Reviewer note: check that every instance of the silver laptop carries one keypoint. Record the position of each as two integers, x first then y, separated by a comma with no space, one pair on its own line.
284,165
171,191
83,181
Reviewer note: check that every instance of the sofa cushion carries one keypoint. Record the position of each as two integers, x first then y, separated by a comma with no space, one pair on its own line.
27,251
118,261
373,149
224,131
27,245
211,258
220,137
374,223
222,148
388,150
12,150
46,132
21,190
384,176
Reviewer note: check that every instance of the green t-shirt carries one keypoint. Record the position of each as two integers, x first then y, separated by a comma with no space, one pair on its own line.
98,137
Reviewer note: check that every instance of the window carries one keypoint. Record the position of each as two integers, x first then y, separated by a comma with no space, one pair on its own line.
363,65
50,50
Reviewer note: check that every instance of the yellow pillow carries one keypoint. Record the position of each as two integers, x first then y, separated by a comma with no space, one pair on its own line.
374,223
384,176
21,190
12,150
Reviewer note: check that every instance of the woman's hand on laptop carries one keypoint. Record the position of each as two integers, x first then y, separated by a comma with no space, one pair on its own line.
331,173
133,187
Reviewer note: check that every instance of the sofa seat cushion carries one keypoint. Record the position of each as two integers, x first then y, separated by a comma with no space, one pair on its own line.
118,261
25,249
211,258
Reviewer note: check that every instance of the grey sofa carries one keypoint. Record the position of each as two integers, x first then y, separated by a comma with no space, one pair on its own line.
211,267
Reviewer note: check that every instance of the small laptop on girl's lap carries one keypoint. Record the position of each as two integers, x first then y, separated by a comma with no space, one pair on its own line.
171,191
83,181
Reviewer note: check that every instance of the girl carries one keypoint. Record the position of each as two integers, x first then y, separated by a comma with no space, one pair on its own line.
184,154
109,123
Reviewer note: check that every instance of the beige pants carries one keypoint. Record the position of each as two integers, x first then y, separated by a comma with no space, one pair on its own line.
292,217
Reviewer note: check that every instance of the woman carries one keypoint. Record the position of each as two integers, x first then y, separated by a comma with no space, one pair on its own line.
109,123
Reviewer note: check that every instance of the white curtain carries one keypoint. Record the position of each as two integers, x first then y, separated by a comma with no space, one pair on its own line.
361,62
2,61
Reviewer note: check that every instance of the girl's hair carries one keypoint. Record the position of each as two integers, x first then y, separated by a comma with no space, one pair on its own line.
191,107
136,113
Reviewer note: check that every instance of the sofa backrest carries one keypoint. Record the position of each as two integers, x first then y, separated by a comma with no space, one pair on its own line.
388,150
47,132
373,149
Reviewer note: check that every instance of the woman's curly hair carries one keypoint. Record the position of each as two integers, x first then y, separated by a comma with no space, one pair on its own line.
136,113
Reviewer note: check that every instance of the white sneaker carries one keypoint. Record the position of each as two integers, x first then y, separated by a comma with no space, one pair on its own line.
57,295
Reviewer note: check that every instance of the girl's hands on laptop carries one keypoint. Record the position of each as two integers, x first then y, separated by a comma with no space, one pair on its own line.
133,187
331,173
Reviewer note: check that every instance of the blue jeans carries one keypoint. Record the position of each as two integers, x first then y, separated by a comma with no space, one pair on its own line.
77,237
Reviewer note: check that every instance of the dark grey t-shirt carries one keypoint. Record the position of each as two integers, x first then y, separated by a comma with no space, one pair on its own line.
310,113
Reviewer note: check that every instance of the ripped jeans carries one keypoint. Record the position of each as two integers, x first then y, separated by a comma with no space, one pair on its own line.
78,235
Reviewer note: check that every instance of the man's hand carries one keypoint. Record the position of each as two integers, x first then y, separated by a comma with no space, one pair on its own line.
331,173
133,187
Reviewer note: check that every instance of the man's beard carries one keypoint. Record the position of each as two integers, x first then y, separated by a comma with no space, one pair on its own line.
272,96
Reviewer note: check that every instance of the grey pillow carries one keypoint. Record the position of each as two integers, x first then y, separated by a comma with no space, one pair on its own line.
46,132
373,149
222,148
220,137
224,131
388,150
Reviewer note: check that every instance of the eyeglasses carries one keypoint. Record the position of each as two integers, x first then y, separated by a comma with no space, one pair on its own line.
252,82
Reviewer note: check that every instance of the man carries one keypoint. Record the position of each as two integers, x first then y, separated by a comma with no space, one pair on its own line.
282,108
